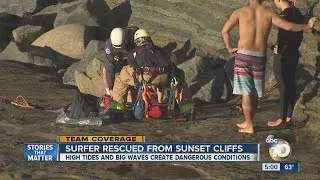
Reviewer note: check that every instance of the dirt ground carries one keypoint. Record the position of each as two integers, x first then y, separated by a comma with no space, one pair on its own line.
18,126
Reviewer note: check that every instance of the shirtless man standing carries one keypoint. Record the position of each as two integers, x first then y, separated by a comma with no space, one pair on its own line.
255,21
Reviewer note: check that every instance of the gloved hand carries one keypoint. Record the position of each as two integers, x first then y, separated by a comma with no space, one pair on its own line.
106,101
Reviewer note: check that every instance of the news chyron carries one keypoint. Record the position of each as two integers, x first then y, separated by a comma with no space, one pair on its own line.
136,148
279,151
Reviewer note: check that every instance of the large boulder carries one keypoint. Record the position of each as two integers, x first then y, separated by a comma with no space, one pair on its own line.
88,12
28,33
91,81
94,49
69,40
35,55
207,78
17,7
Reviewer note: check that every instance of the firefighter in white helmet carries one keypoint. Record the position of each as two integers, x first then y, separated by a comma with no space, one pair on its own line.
117,49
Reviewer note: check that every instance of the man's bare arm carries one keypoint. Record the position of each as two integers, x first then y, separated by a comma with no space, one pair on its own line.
229,25
283,24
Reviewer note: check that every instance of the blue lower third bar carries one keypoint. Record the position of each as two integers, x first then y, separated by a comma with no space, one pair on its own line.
40,152
290,167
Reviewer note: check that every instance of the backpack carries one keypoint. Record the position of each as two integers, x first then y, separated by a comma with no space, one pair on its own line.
83,105
130,31
139,107
143,108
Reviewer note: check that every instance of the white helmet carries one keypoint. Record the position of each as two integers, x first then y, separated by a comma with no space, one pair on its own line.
141,33
118,37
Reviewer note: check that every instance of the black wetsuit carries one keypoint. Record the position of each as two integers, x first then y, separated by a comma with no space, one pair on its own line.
285,62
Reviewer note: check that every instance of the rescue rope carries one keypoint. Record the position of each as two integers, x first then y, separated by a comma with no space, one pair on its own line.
20,101
23,103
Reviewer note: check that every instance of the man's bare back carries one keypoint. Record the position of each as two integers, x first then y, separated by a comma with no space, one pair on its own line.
255,23
254,28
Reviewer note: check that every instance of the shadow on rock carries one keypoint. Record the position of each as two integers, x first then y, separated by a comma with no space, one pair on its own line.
8,23
118,16
185,53
46,20
311,90
60,60
99,13
303,78
221,86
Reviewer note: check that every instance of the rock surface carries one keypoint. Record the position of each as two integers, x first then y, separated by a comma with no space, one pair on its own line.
27,34
91,81
69,40
8,22
34,55
94,49
88,13
170,21
17,7
183,23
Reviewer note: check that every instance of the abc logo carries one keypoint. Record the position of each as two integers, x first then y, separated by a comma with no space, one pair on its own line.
279,149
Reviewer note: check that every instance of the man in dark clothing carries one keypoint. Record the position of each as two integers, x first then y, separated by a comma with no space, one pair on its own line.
117,49
286,57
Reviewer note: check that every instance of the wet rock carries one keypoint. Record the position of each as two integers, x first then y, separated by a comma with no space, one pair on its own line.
89,13
69,40
27,34
94,49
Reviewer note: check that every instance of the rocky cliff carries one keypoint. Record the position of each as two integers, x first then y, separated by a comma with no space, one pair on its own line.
191,29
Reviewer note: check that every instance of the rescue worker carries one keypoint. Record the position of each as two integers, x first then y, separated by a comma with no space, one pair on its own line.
117,49
146,62
146,58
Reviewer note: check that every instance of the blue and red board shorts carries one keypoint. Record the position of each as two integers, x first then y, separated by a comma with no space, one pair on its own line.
249,73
